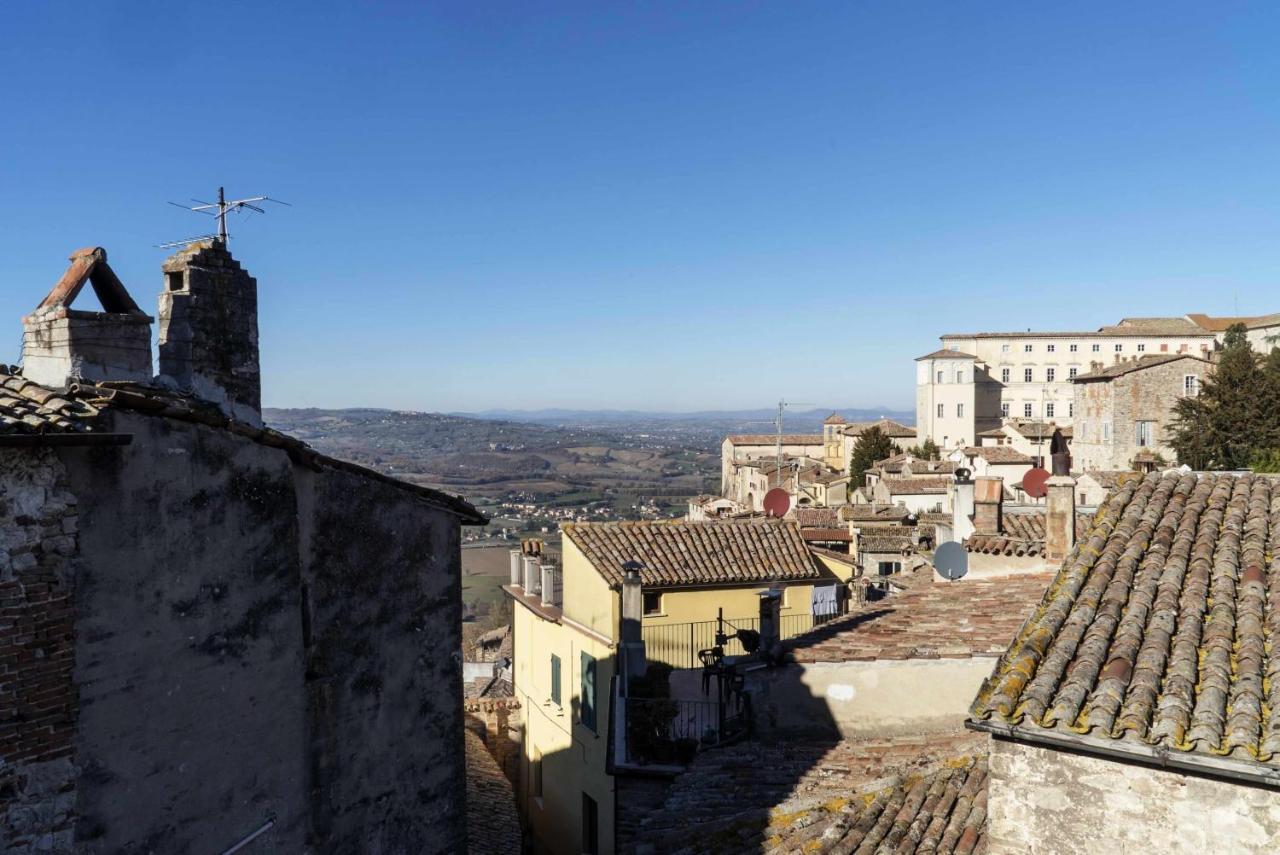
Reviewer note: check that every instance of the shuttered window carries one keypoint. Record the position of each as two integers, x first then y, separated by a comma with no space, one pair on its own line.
588,691
555,679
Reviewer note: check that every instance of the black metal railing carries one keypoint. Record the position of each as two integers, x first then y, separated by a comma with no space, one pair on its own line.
666,732
678,644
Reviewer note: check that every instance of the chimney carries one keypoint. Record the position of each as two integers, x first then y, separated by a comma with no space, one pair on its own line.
988,504
61,345
631,640
962,507
209,329
1060,517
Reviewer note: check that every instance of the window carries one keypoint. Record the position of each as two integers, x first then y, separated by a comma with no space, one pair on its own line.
940,412
1004,348
1071,373
1051,347
1071,411
959,376
173,281
1026,375
1026,411
1004,411
1106,431
1096,348
555,680
1004,375
1119,347
590,826
888,568
1190,385
939,376
1050,373
1026,348
588,692
1048,411
1164,348
1143,433
653,602
1073,348
959,411
1141,348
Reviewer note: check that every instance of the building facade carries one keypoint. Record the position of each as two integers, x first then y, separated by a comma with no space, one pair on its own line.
1127,408
979,379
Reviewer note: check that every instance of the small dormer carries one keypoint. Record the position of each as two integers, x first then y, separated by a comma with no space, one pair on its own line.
62,345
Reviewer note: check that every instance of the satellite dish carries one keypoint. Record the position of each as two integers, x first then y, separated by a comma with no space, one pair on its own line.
1033,483
777,502
951,561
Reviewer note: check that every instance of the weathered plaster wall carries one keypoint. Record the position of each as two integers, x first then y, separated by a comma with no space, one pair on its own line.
1052,802
260,641
384,680
860,699
189,651
38,524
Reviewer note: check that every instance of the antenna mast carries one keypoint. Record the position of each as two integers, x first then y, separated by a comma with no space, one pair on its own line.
219,210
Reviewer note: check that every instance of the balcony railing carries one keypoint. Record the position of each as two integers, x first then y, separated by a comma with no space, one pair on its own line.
669,733
678,644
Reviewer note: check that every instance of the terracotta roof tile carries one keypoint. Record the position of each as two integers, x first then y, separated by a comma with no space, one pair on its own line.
892,429
1129,366
1159,628
27,407
493,824
972,617
678,552
916,486
772,439
998,454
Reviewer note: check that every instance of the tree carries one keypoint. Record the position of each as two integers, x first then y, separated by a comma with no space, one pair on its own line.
872,444
927,450
1227,425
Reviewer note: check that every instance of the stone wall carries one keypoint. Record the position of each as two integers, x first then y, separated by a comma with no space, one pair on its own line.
496,722
1057,803
1148,395
58,344
38,703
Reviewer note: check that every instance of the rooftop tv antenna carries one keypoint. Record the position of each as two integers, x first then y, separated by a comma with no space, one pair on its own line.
219,210
782,405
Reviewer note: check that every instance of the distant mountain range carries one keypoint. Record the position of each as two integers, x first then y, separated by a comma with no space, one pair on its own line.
793,419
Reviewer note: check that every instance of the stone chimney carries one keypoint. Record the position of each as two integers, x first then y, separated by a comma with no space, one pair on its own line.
209,329
988,504
61,344
631,639
1060,517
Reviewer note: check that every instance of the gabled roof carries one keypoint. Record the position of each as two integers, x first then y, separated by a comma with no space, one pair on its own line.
678,552
1021,534
891,429
944,353
1156,636
916,486
1120,369
90,265
997,454
771,439
834,419
1220,324
1035,430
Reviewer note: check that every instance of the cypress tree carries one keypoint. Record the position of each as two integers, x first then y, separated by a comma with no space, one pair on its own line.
1226,426
872,444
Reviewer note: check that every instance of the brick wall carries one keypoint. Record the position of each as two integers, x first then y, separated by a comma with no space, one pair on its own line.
491,720
38,699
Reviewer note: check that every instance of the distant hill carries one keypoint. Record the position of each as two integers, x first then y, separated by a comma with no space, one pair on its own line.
730,421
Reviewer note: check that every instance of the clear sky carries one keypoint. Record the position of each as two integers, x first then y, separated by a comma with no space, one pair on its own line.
649,205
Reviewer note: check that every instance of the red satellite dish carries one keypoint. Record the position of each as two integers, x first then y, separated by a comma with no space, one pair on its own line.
777,502
1033,483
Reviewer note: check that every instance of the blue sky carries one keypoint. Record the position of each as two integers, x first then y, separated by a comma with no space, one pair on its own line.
657,205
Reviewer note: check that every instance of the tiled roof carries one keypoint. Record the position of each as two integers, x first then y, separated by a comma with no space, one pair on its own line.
1155,326
1129,366
805,795
29,408
932,620
1037,430
1158,631
873,513
946,354
997,454
916,486
943,812
1177,327
772,438
677,552
817,517
1220,324
881,543
1023,534
493,825
825,535
891,429
834,419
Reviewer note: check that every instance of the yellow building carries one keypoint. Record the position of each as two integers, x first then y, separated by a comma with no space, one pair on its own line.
568,633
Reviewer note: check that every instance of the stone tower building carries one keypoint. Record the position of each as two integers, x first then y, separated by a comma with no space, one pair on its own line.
209,329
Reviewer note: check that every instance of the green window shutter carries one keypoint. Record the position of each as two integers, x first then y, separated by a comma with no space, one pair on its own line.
588,691
555,679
